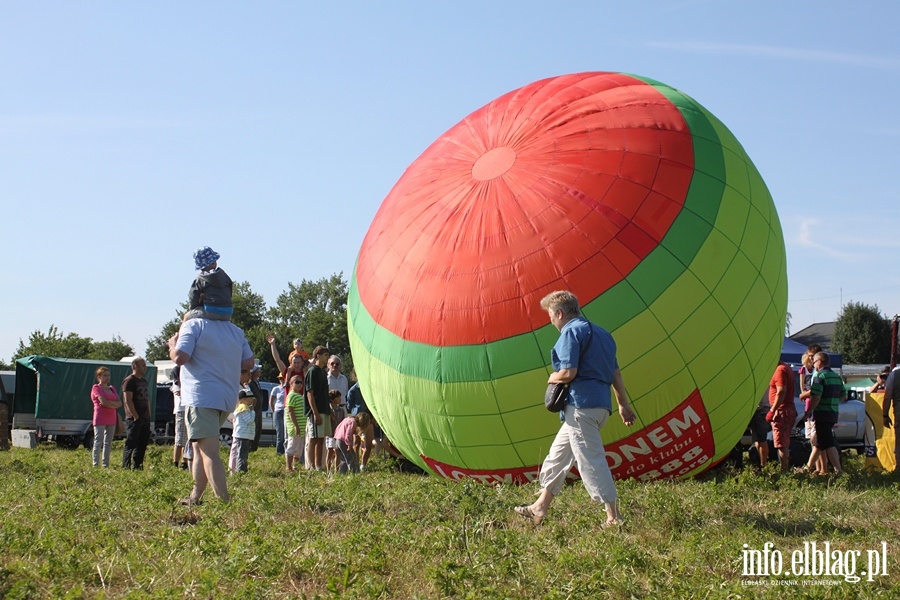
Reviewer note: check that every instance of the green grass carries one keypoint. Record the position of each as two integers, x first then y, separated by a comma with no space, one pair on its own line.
71,531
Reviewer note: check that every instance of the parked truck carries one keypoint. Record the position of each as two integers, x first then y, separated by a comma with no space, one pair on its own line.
53,396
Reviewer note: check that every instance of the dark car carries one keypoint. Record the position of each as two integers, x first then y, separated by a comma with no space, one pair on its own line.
164,419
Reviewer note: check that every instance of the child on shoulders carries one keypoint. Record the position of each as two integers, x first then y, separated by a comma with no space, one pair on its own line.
210,294
298,351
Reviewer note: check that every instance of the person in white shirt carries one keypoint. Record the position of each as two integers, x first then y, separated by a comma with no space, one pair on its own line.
336,379
276,400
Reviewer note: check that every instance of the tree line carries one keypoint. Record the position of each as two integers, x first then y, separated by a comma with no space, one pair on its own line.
314,311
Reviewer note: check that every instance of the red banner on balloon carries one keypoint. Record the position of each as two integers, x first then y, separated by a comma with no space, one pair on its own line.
672,446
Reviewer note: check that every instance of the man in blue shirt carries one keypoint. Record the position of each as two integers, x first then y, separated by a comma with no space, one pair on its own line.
212,354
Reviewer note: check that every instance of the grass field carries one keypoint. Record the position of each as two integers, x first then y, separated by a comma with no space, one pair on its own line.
71,531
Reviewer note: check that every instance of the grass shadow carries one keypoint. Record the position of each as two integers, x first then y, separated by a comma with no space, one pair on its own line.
783,528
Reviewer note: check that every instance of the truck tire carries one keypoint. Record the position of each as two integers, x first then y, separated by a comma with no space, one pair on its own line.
69,442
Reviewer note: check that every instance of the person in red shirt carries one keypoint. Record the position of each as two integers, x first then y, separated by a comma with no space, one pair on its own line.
782,414
297,365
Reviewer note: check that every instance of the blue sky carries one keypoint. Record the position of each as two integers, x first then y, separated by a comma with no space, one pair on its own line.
133,133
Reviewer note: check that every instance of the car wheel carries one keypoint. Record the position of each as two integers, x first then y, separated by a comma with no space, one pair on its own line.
800,451
159,437
225,438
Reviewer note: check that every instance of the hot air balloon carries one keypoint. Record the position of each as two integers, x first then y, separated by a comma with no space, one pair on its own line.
619,188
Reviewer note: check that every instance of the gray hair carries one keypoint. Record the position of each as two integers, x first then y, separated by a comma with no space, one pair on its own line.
562,300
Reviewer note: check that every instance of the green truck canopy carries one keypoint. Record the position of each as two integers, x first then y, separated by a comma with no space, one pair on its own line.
60,388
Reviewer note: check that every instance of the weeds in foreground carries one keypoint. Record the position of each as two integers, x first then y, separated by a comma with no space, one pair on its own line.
70,531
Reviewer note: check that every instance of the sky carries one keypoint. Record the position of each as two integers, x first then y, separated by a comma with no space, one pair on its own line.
132,134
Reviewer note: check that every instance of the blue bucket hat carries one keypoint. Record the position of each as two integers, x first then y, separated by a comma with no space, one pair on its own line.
204,257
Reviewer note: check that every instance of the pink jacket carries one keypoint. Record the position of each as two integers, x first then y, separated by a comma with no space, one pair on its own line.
102,414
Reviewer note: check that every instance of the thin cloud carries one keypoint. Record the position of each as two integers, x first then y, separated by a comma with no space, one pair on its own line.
784,53
849,242
809,234
69,124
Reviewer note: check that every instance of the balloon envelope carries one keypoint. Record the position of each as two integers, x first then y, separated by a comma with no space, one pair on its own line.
616,187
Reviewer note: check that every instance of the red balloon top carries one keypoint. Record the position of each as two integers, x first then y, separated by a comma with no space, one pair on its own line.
567,183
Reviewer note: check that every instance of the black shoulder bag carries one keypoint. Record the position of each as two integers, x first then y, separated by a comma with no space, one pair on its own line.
557,393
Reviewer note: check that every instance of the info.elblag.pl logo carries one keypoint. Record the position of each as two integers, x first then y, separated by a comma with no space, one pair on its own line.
818,560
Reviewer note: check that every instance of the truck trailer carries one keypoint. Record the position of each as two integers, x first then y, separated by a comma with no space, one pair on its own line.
53,396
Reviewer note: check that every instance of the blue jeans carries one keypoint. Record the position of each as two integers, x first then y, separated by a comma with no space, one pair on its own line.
278,417
349,462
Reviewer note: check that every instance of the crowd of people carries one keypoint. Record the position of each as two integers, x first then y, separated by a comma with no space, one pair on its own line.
322,422
821,390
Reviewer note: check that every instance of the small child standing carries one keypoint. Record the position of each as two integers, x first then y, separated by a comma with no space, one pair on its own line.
346,431
338,414
294,424
244,428
210,294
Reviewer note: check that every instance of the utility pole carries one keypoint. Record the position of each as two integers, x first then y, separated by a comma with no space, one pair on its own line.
894,327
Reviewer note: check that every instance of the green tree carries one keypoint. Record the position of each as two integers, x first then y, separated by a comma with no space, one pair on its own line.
249,307
72,345
862,335
249,315
316,312
54,343
157,346
115,350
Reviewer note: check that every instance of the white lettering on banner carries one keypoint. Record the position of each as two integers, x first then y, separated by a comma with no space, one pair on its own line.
678,426
659,437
